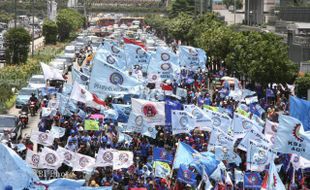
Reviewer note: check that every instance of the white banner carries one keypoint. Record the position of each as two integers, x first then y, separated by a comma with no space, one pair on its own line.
104,157
51,159
182,122
122,159
241,125
80,94
83,163
33,159
67,155
45,139
203,121
255,136
220,120
221,138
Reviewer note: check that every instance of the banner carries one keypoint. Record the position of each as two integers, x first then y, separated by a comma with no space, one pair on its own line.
50,159
162,169
83,163
291,138
152,113
254,135
68,156
91,125
258,157
241,125
182,122
298,108
220,138
165,63
106,79
186,176
135,55
79,77
169,107
123,111
135,123
45,139
122,159
192,58
58,132
252,180
33,159
80,94
251,100
104,157
109,58
161,154
203,121
220,120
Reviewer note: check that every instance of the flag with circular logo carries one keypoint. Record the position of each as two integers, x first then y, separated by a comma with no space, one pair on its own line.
42,138
104,157
182,122
122,159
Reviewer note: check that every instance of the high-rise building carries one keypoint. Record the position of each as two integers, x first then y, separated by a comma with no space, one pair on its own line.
254,12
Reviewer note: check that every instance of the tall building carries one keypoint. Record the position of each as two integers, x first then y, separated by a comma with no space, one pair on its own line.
295,10
254,12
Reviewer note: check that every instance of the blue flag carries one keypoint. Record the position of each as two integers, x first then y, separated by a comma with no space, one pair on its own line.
116,51
161,154
192,57
185,154
298,109
269,93
123,111
256,109
169,106
205,161
164,63
106,79
109,58
136,55
186,176
81,78
252,180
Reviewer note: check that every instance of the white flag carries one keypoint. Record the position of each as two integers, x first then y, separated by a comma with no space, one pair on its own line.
241,125
271,127
67,155
182,122
251,100
51,73
33,159
80,94
58,132
149,131
152,112
122,159
83,163
51,159
258,156
299,162
104,157
203,121
254,135
45,139
220,120
222,139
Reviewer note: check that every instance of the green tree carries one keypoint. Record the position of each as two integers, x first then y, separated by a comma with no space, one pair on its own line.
302,85
5,17
229,3
179,27
178,6
17,41
50,31
68,21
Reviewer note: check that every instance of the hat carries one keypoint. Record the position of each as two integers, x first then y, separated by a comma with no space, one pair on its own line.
163,181
81,128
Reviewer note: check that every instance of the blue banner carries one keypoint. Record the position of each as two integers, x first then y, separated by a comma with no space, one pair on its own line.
252,180
169,106
192,58
79,77
123,111
184,155
300,109
161,154
186,176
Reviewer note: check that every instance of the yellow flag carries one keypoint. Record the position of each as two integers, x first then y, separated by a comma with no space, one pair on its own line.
242,112
212,108
91,125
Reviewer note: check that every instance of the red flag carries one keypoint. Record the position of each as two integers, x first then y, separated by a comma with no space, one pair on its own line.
133,41
265,181
98,100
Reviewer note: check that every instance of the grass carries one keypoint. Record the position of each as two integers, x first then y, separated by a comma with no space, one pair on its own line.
10,102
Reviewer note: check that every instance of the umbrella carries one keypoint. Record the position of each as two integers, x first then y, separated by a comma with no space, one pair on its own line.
97,116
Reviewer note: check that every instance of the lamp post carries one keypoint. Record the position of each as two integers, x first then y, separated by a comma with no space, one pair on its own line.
32,10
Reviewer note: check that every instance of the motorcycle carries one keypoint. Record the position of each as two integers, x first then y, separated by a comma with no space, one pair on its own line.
23,117
32,108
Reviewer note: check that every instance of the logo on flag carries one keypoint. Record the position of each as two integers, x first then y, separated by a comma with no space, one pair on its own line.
216,121
154,77
246,125
221,139
50,158
197,114
187,174
139,120
68,156
116,78
149,110
274,128
35,158
193,52
163,154
183,121
107,156
114,49
110,59
165,56
123,157
261,158
140,51
83,162
42,137
165,66
296,133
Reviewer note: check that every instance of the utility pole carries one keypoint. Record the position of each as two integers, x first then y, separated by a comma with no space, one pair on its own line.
85,14
201,7
32,10
248,13
15,14
235,3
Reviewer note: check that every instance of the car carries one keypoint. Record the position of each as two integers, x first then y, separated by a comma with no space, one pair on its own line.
70,49
37,82
9,122
71,56
24,95
66,61
60,66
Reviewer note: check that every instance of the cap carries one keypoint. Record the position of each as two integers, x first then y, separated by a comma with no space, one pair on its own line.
163,180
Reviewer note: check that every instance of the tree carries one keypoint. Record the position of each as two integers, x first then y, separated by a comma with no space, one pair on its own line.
178,6
68,20
229,3
302,85
5,17
17,41
50,31
179,27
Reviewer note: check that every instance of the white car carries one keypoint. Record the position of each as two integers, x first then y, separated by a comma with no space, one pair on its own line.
37,81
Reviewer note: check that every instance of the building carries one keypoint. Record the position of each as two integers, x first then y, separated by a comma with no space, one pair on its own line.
254,12
295,10
52,10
